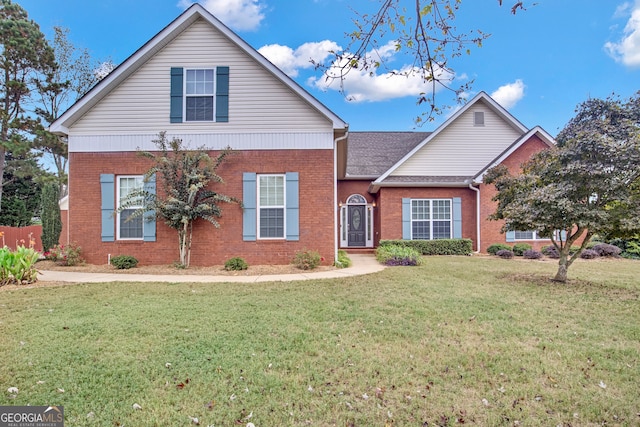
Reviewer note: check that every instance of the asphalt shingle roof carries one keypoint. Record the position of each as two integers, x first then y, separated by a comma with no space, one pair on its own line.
370,154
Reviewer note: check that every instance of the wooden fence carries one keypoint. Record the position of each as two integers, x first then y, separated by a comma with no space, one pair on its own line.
21,236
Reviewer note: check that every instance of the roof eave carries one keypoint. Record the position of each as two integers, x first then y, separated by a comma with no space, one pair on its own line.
375,186
360,177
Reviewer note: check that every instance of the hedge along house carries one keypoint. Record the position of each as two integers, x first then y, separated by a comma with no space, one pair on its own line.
411,185
200,82
306,182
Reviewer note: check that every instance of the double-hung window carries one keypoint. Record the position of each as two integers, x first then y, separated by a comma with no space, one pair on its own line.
431,219
526,235
129,226
199,95
512,236
271,206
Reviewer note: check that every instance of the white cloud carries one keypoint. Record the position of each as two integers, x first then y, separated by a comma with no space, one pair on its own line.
627,49
509,94
361,84
291,61
240,15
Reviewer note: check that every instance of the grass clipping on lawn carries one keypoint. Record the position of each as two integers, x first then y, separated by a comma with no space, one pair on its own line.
471,340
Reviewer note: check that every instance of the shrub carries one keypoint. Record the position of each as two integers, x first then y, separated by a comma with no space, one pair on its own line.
398,255
589,254
519,248
124,262
69,255
607,250
551,251
50,215
435,247
18,266
591,244
531,254
343,259
505,253
307,260
493,249
236,264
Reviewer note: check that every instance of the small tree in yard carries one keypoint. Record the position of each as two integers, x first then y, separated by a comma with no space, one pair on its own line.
51,220
589,184
184,177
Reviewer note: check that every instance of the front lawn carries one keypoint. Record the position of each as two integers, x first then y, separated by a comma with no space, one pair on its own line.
472,340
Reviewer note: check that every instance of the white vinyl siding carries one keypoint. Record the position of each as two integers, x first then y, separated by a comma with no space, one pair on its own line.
471,147
238,141
258,101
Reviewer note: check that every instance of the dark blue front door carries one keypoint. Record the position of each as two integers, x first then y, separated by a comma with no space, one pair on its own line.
357,223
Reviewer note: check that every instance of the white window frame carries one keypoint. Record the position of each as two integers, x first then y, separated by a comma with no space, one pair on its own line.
478,118
534,235
431,219
132,207
283,206
212,94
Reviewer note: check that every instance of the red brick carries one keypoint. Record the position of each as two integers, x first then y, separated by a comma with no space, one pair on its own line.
211,246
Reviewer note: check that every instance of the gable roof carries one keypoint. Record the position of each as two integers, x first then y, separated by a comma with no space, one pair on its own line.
370,154
537,131
159,41
482,97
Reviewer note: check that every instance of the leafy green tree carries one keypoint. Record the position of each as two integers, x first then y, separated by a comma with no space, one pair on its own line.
22,186
586,185
74,74
25,56
184,194
51,218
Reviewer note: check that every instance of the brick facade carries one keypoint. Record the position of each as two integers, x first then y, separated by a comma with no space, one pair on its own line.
490,233
211,246
388,203
389,208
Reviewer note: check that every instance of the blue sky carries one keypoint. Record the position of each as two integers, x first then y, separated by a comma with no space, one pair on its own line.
539,64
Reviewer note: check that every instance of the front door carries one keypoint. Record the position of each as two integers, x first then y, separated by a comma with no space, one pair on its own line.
357,225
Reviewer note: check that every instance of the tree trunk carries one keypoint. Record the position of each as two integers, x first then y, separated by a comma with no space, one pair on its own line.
182,237
561,274
3,156
185,236
563,264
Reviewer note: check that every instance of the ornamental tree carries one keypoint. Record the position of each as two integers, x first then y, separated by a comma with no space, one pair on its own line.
588,184
185,195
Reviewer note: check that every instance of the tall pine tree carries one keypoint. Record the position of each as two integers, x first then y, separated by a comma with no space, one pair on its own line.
25,56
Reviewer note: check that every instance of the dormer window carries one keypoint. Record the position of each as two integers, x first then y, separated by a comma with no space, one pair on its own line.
478,118
199,95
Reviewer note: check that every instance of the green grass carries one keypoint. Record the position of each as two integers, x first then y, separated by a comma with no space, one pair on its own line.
404,347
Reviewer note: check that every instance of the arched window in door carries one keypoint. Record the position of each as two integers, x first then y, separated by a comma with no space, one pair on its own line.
356,222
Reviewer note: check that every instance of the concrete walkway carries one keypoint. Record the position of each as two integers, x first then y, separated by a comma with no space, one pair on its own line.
361,264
